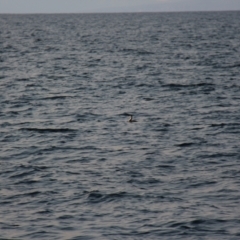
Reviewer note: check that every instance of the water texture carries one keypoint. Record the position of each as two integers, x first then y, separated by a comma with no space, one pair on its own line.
73,167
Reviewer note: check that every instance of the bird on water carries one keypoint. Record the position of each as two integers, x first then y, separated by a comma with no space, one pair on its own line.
131,119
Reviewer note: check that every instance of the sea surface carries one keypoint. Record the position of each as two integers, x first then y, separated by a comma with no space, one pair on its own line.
72,166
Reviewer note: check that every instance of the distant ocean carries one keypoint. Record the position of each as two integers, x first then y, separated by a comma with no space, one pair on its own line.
72,166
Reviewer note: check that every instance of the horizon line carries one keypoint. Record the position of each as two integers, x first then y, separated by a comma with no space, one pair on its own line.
186,11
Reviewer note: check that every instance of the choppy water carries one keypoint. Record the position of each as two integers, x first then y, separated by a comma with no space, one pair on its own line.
73,167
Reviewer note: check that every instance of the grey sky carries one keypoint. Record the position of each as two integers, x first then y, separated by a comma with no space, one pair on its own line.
80,6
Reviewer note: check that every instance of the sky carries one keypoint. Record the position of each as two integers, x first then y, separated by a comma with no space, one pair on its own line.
86,6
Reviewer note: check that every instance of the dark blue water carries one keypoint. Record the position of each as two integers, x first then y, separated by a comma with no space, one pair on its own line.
73,167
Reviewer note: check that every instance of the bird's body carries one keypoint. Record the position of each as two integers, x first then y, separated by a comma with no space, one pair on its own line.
131,119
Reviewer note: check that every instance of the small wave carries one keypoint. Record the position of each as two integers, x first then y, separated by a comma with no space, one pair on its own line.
65,217
137,51
22,79
47,211
37,40
24,174
180,86
166,166
235,65
144,85
33,194
224,124
48,130
142,52
207,221
27,182
217,155
201,184
218,125
186,144
97,197
148,99
56,97
144,181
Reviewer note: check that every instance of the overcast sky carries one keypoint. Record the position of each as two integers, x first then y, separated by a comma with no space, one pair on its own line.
82,6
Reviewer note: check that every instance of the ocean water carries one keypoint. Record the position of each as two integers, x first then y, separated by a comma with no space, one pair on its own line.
73,167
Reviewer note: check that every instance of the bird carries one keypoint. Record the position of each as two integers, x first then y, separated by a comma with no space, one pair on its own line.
131,119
